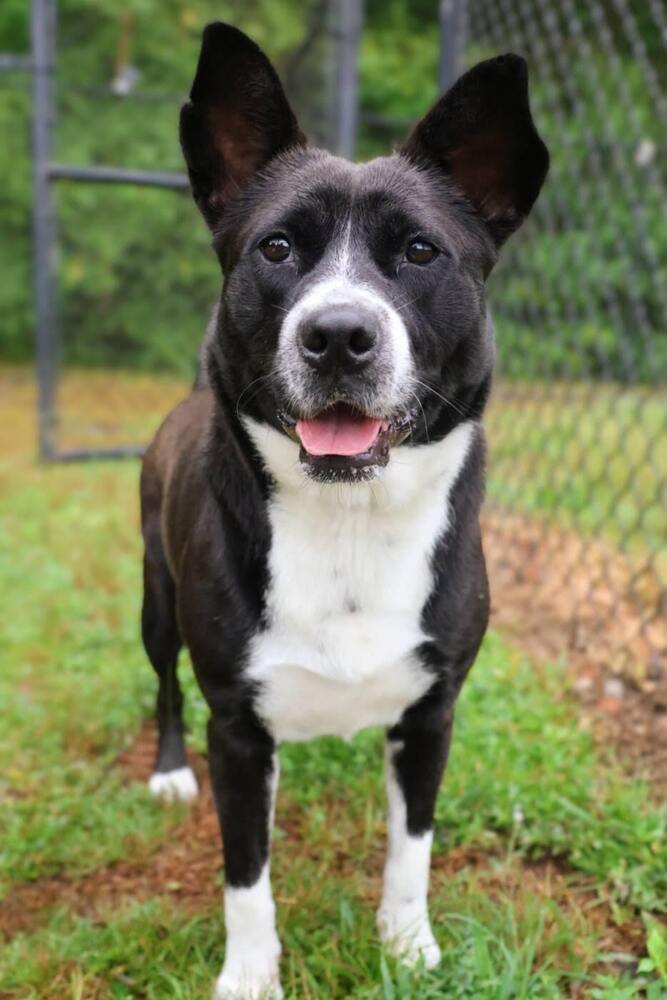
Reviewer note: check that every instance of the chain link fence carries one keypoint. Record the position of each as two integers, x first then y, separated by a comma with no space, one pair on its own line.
575,520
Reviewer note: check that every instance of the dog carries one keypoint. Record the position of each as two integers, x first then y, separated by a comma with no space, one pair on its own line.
310,512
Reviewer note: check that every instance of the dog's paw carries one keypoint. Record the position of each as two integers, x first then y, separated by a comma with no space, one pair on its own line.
405,931
241,981
179,785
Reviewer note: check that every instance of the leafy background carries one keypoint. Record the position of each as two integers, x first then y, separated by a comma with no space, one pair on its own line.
137,277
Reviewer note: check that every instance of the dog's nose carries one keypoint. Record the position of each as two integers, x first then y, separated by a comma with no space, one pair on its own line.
338,338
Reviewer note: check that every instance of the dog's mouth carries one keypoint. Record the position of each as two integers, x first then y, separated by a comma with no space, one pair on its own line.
342,443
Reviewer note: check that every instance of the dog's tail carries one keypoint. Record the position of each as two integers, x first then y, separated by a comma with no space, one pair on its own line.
202,379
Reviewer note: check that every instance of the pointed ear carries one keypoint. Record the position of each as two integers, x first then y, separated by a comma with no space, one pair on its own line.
236,120
481,133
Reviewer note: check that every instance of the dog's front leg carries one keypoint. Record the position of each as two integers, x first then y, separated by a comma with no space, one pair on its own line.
415,757
244,776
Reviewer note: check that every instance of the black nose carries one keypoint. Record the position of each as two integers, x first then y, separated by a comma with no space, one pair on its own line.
338,338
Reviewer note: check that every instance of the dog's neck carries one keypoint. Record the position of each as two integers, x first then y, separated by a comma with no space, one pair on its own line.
414,475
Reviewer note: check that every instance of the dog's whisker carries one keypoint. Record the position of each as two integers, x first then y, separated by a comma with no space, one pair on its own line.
419,404
406,305
244,392
447,402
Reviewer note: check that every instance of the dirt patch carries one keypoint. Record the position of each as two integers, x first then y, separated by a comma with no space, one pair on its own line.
185,868
560,596
188,866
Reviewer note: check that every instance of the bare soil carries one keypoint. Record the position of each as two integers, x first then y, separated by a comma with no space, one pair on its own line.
561,597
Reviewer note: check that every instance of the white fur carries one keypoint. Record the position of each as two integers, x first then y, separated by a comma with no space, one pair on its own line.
393,379
350,572
403,914
253,948
341,260
179,785
252,954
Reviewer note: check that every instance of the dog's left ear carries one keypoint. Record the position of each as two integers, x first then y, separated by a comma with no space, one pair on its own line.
482,134
236,120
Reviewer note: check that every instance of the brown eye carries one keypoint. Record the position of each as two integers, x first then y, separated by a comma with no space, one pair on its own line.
421,252
275,248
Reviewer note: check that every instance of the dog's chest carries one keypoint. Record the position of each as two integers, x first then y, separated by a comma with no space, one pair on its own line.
344,610
348,583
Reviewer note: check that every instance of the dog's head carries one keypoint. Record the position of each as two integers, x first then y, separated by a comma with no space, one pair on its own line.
353,315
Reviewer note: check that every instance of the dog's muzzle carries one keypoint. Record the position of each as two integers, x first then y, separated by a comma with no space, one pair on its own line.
345,366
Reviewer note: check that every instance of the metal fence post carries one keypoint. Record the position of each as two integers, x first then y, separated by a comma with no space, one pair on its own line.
350,15
452,41
42,26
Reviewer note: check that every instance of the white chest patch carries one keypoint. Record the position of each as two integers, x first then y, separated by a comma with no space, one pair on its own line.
350,569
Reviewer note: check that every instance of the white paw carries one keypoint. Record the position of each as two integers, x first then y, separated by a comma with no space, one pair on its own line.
252,952
179,785
405,930
249,980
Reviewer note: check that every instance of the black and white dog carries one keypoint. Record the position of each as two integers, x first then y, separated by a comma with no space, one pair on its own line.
310,511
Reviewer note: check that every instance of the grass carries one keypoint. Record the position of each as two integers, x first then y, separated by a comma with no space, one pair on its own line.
550,866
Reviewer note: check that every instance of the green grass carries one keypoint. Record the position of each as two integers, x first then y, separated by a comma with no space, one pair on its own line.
148,950
522,772
526,785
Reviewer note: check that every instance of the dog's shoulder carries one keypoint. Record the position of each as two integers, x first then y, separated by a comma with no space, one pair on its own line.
181,434
173,475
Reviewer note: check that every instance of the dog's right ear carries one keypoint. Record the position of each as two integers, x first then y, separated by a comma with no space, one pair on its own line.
236,120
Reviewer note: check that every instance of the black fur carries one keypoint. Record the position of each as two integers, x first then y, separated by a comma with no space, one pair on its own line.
465,179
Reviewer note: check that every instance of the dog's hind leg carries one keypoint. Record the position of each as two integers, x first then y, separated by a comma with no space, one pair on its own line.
172,778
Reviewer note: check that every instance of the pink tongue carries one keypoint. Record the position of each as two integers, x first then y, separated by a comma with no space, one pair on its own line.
337,432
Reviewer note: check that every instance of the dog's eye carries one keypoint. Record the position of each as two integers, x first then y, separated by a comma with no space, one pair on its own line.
421,252
276,248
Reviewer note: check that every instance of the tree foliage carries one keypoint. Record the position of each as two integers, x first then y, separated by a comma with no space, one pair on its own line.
579,292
